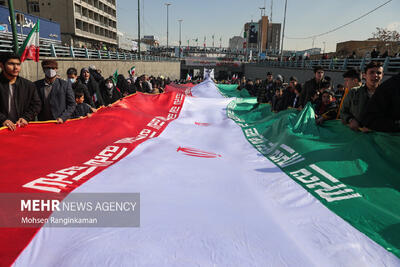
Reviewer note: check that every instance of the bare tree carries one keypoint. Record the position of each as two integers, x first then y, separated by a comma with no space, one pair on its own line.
386,35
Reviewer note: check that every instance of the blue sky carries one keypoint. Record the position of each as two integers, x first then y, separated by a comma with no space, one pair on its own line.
225,18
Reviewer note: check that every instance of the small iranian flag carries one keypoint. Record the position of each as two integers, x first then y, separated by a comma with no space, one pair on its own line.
30,48
131,71
188,77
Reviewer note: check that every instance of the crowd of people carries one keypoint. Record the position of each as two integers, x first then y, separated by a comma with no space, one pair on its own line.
55,99
361,101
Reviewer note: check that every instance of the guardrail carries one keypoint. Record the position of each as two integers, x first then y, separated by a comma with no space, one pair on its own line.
51,50
390,64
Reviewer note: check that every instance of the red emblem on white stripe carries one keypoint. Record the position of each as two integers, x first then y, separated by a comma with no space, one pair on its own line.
202,123
197,152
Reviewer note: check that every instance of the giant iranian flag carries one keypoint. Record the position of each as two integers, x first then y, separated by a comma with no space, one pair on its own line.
222,182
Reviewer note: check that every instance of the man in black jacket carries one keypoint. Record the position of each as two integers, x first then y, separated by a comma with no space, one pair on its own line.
58,101
266,92
383,110
311,86
19,101
291,93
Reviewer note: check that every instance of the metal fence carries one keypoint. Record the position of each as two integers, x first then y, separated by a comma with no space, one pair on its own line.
51,50
389,64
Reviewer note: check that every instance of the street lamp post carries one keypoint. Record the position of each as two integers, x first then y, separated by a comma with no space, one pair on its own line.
167,4
180,36
138,48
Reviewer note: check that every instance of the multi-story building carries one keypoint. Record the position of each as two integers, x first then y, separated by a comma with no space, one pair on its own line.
274,37
263,33
91,23
262,36
251,36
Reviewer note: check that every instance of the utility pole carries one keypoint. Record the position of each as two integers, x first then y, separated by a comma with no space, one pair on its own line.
167,4
138,2
13,26
283,32
180,36
213,41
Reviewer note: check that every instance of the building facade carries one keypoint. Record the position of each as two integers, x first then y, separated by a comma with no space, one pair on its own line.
49,30
83,23
364,48
263,33
262,36
274,39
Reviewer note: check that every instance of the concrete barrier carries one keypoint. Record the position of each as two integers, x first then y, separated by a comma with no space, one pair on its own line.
167,69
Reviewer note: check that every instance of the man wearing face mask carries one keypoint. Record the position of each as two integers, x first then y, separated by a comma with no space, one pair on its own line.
58,101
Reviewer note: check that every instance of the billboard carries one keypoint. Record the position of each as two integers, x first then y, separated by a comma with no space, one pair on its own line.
253,33
48,29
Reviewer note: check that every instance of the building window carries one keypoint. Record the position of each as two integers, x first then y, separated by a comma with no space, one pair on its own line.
33,6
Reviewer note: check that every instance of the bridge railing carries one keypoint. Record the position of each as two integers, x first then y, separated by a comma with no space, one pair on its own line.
390,64
52,50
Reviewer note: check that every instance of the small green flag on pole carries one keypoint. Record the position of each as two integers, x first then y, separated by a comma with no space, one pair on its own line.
114,77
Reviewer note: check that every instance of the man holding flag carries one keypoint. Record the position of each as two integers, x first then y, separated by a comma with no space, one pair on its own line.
19,101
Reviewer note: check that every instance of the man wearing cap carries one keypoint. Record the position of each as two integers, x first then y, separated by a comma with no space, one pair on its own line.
19,101
58,101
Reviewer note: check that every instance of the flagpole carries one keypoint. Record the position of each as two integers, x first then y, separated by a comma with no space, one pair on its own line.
13,26
37,70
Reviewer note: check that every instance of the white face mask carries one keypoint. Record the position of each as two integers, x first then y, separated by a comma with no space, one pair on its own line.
109,85
71,80
50,73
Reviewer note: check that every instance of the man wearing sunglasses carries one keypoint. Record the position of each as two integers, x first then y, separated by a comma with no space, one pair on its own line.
354,105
